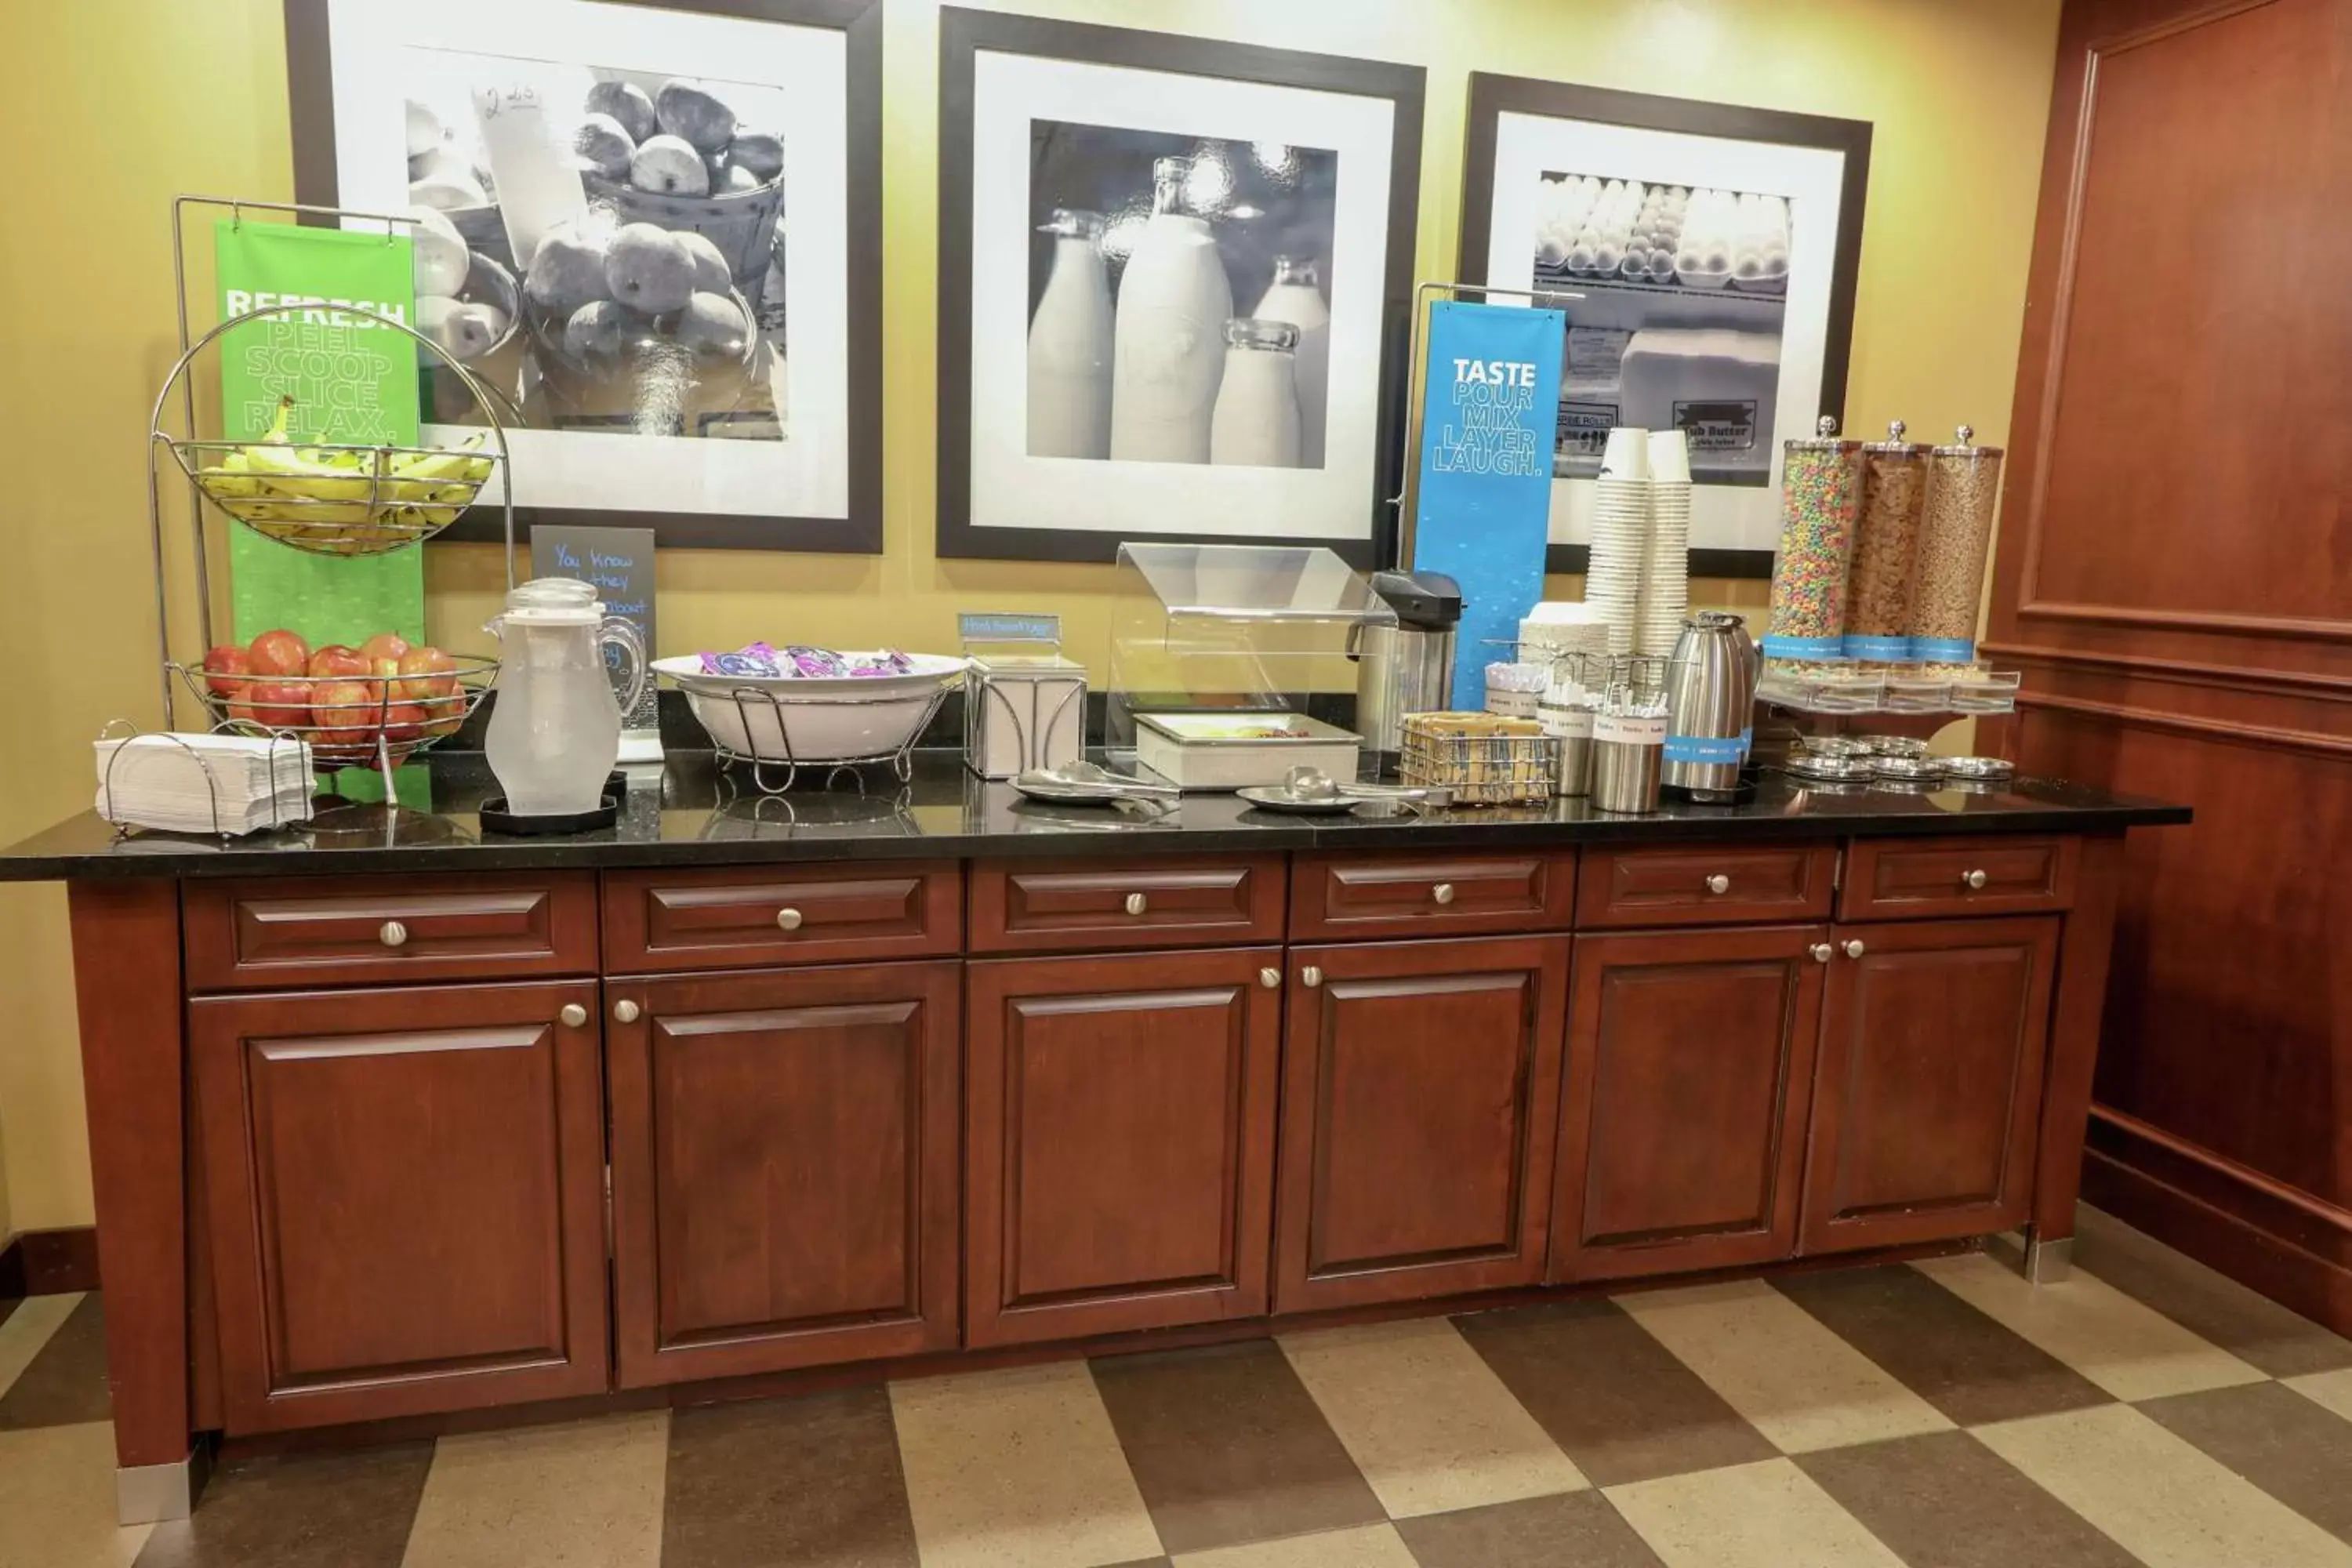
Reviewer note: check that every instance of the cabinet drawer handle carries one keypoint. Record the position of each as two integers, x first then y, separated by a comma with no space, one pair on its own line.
625,1011
391,933
1718,883
1269,978
1853,949
788,919
1822,951
1976,879
1310,977
1137,903
1442,892
574,1014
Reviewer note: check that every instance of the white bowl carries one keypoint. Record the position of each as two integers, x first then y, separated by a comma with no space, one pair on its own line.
819,719
931,668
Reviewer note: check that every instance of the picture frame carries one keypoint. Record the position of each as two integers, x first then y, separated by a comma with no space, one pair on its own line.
1731,317
752,422
1048,450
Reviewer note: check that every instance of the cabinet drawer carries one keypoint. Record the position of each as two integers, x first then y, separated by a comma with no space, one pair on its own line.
282,933
1888,879
1705,887
749,917
1413,895
1032,907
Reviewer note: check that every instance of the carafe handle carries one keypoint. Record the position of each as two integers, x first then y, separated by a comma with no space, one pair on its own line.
623,634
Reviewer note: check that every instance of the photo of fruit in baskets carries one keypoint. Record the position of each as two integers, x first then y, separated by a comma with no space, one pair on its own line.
603,246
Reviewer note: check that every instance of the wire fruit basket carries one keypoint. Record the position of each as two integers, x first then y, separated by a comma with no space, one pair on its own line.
349,721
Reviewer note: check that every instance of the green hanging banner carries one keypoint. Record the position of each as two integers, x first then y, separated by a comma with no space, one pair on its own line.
352,380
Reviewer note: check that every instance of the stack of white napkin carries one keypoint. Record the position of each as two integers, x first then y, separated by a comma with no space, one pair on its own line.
204,784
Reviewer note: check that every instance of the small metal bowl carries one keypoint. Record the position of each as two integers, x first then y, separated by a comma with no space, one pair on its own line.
1980,769
1837,746
1895,746
1828,769
1908,770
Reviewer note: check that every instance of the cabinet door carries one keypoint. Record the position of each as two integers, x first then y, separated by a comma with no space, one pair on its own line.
406,1193
1690,1059
783,1168
1119,1142
1420,1094
1930,1094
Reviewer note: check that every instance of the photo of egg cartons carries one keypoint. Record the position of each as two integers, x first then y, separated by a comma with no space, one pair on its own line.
1684,295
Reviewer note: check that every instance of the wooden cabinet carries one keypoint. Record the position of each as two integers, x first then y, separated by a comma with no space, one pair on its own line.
405,1190
1929,1089
247,933
1979,875
1351,897
1180,901
757,917
783,1168
1704,885
1119,1140
1420,1097
1690,1058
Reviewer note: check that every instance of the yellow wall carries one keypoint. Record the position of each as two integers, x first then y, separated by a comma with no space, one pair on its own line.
131,100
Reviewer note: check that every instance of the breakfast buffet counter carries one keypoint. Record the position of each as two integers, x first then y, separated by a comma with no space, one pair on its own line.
392,1118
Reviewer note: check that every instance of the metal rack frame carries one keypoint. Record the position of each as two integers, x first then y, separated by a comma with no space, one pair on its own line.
901,760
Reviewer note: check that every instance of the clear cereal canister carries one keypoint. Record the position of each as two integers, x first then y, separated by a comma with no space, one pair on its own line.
1820,489
1955,533
1886,548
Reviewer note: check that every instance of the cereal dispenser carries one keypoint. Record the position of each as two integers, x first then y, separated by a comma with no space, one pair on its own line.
1819,491
1955,533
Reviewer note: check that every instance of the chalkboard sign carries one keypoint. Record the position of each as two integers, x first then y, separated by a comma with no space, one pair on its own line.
620,562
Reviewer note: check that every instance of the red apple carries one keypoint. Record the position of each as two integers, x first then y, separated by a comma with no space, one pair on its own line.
429,672
337,662
223,666
273,704
385,645
444,714
280,652
343,711
404,722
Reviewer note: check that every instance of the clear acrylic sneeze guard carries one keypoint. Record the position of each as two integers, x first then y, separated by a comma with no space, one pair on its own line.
1232,629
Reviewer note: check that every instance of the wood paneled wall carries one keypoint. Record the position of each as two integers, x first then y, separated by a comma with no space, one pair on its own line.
2175,574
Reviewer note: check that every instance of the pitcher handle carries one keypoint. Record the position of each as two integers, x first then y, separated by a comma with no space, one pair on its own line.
625,634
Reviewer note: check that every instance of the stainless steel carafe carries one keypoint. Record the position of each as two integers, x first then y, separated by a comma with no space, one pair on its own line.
1407,668
1710,701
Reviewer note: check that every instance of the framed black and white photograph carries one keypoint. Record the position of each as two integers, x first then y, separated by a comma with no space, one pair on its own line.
653,230
1174,276
1704,256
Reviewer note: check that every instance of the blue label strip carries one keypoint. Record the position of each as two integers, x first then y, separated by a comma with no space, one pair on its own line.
1706,749
1943,650
1803,647
1883,649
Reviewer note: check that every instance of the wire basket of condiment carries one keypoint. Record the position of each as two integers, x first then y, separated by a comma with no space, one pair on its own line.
1485,759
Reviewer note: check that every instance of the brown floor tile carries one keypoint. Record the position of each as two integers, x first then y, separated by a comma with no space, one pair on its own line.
2284,1444
1945,1498
810,1483
351,1509
1942,1349
1227,1446
1615,1400
1580,1528
2249,1325
65,1385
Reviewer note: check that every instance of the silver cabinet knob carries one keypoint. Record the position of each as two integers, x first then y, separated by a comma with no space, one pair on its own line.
574,1014
1822,951
788,920
1853,949
1718,883
1976,879
391,933
1442,892
1310,977
1137,903
625,1011
1269,978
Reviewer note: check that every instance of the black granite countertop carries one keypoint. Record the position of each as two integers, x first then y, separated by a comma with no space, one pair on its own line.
691,812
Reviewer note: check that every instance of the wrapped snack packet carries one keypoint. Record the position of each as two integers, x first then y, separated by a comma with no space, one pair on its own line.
889,661
755,658
816,662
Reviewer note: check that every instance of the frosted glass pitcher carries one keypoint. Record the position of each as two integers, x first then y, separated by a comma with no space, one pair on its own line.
555,724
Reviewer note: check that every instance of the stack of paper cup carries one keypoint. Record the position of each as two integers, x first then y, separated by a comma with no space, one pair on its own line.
1665,561
1621,527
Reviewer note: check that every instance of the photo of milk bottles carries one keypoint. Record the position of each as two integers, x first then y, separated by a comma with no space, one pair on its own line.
1178,312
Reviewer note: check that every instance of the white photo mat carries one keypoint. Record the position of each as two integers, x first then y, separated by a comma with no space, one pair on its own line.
807,474
1011,490
1527,146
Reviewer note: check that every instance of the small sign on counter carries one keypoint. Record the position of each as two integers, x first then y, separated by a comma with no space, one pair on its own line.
620,562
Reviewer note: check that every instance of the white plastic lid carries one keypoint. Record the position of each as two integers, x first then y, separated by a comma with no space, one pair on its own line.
555,602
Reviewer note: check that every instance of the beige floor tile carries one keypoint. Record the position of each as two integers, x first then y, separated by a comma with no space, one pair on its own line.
1766,1515
2131,1350
586,1494
28,1329
1774,1362
1426,1420
1370,1546
57,1496
2166,1502
2333,1389
1017,1468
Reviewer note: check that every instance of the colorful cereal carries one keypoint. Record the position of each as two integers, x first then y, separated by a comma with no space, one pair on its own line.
1819,491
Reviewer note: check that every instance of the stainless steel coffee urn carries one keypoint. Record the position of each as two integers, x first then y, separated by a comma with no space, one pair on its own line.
1407,668
1710,702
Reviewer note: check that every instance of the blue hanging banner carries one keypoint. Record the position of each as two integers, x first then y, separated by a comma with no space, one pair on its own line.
1480,516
